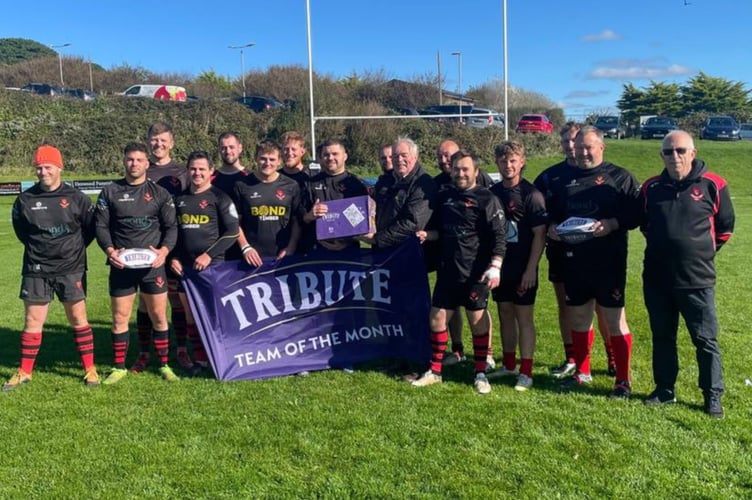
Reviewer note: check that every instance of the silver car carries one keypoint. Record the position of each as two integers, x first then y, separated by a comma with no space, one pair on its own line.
746,131
491,118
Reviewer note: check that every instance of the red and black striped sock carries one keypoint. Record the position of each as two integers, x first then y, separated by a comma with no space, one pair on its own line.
199,353
120,348
438,347
30,344
162,346
622,345
480,351
143,329
84,338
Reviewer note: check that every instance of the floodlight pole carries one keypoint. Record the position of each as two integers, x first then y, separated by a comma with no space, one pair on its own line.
60,59
506,77
242,62
459,78
310,81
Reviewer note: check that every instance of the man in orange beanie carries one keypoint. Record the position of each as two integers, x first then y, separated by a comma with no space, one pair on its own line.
55,222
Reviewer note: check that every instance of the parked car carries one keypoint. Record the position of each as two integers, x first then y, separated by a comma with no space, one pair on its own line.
535,123
719,128
258,103
656,127
492,118
43,89
82,94
745,131
611,126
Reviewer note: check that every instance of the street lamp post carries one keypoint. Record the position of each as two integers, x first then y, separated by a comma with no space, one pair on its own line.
242,62
459,78
60,59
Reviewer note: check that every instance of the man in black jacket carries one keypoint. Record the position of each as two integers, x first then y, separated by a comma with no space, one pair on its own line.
687,217
404,197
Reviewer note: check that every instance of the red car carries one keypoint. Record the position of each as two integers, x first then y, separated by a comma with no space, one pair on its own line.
535,123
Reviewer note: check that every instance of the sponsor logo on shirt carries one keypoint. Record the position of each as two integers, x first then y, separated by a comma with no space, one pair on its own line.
39,206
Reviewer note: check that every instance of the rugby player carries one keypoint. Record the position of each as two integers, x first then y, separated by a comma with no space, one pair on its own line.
596,270
555,257
172,176
232,170
207,227
269,208
334,182
55,223
471,233
527,220
135,212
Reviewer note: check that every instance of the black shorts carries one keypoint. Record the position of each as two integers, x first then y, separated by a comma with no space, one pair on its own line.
125,282
556,256
606,287
507,292
41,290
448,294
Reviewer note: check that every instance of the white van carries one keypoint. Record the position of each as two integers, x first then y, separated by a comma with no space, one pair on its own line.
161,92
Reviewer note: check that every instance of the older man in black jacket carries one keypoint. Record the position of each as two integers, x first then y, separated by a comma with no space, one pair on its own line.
687,217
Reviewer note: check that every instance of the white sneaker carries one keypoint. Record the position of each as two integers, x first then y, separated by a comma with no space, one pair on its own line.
523,383
503,372
490,364
428,378
481,384
566,369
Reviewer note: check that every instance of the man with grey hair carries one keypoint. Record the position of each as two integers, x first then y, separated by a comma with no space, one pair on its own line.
404,199
687,217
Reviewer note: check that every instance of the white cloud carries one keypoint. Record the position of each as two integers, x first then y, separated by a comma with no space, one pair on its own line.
579,94
638,70
603,35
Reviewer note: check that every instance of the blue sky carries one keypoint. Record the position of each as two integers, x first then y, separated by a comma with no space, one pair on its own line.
578,54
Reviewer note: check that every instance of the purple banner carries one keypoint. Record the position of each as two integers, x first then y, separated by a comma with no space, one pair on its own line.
325,310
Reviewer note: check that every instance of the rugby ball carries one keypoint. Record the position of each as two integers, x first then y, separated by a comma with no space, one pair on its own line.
576,230
137,258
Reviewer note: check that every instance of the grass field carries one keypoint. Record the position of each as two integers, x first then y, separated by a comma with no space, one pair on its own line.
335,435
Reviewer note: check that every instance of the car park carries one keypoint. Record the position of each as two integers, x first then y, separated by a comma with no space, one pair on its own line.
745,131
611,127
490,118
720,128
535,123
657,127
258,103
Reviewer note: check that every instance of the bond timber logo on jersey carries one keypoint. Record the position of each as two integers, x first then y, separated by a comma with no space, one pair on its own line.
280,195
599,180
148,197
203,204
159,282
64,203
616,294
696,194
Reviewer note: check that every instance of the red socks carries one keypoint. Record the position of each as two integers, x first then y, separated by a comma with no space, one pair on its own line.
582,343
438,346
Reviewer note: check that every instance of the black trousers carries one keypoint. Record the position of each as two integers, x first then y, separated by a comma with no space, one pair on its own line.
697,307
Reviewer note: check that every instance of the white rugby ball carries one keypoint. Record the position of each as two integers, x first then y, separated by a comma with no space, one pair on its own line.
137,258
576,229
